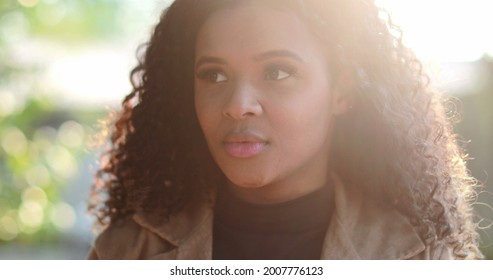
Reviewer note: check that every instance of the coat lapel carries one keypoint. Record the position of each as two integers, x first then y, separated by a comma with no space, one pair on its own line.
190,232
360,228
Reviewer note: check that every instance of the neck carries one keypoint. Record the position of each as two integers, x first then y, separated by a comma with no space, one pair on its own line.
278,192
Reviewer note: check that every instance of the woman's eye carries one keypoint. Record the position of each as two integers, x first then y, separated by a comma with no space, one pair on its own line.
217,77
277,74
213,76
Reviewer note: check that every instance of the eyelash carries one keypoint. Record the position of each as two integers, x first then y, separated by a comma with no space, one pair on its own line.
291,71
207,73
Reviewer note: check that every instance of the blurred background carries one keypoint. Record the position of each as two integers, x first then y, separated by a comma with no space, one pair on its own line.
64,64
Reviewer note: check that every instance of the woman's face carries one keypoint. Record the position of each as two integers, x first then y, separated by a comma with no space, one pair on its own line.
264,101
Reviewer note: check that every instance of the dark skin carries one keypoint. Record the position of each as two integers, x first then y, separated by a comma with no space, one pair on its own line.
265,102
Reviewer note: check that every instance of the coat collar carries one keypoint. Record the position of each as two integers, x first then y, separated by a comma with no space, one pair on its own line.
190,232
360,228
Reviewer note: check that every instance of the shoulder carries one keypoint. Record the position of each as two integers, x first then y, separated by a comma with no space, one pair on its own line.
366,228
144,236
127,239
437,250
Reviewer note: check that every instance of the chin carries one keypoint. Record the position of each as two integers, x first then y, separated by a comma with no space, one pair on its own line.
249,183
245,175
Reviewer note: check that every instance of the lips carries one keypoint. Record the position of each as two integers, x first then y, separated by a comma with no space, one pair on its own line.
244,144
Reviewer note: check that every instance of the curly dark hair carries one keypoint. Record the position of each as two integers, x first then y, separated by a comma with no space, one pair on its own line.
396,144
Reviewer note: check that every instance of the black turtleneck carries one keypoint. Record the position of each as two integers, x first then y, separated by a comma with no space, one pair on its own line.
290,230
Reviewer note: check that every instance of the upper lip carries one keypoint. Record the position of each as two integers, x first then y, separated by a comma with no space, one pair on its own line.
244,137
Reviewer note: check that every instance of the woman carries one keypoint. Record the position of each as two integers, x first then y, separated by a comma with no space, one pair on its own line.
298,129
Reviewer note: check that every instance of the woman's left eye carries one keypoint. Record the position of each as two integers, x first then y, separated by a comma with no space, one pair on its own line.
277,74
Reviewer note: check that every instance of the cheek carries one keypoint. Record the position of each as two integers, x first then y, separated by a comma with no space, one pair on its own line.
306,108
209,116
204,116
304,123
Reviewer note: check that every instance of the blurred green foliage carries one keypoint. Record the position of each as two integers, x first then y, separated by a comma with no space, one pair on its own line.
62,19
37,156
476,128
40,143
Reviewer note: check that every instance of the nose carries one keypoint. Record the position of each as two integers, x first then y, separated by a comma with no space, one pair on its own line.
243,102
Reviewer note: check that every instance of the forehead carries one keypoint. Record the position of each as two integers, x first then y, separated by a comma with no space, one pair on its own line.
253,27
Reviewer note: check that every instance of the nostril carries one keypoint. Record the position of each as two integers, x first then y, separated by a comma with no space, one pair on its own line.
242,102
242,112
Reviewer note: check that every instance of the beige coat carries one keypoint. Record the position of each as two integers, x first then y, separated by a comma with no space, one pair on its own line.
359,229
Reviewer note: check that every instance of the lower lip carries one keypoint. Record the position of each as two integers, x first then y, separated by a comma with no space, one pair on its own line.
244,149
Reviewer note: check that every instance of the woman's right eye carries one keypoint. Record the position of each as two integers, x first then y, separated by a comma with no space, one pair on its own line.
212,76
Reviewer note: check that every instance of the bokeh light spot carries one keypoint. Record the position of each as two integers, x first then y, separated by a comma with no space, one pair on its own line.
61,161
44,137
35,194
51,14
63,216
14,142
38,175
8,228
71,134
31,214
7,103
4,206
18,27
28,3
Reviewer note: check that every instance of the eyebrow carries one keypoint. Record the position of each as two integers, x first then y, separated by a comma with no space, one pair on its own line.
278,53
209,59
263,56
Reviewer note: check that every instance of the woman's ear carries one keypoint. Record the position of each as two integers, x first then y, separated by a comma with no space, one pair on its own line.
343,98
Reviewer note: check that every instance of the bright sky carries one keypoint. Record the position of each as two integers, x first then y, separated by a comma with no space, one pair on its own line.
445,30
440,31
